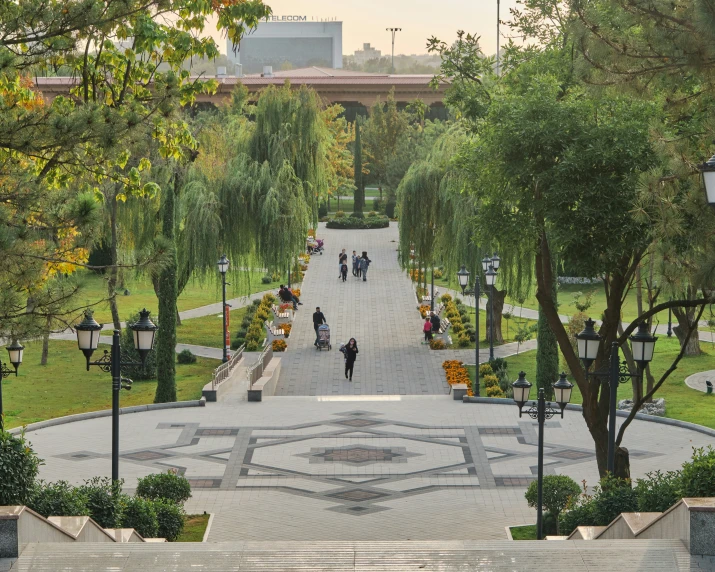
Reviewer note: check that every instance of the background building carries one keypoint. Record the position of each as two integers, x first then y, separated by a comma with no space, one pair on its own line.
366,54
289,42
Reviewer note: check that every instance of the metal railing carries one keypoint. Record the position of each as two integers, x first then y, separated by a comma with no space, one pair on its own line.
255,372
222,372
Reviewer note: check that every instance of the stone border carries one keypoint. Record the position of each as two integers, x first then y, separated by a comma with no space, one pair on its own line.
107,413
208,528
640,416
695,380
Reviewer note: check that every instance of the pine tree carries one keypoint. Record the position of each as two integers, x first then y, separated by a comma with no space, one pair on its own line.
359,179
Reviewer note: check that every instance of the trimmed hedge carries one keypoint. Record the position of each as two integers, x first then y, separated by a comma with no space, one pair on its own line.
352,222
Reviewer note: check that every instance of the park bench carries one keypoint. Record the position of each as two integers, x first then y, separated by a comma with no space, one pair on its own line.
273,332
281,316
443,332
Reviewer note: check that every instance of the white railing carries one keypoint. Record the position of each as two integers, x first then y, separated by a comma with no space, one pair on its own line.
255,372
222,372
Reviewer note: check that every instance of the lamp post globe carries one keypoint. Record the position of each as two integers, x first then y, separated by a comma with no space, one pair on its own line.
496,261
708,171
562,391
491,276
486,263
223,264
463,277
88,335
144,334
522,388
642,345
15,350
588,342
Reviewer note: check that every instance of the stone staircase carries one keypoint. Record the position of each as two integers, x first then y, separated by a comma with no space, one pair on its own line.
420,556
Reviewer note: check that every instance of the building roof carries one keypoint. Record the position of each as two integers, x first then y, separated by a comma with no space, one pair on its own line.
314,71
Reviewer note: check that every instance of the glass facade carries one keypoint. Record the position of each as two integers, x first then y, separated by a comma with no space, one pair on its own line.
284,53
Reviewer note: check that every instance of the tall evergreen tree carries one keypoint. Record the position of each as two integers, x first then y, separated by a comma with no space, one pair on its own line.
168,294
359,179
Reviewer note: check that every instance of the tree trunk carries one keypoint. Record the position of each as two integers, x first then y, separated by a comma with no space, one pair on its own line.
45,347
547,356
178,317
168,289
499,297
686,319
113,271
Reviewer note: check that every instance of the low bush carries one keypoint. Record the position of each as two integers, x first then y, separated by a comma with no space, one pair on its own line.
185,357
266,279
357,215
372,213
255,303
657,492
558,493
437,273
457,327
697,477
279,346
495,391
246,322
445,298
286,328
237,343
580,514
58,499
463,340
498,363
612,497
485,369
139,513
170,519
252,345
339,214
168,486
19,466
355,223
390,208
437,345
104,500
491,380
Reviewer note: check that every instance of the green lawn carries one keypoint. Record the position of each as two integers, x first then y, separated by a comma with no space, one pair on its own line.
527,532
64,387
141,293
206,331
194,528
681,402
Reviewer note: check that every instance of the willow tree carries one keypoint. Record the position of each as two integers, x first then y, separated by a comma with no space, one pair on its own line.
359,204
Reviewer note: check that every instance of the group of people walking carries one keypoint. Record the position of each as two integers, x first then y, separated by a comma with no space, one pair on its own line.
360,265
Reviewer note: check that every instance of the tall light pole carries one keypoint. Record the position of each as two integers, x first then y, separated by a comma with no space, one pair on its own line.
498,63
15,354
111,362
463,277
393,31
223,264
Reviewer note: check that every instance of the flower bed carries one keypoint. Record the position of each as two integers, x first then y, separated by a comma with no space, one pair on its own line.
457,373
424,310
279,346
286,328
358,223
437,345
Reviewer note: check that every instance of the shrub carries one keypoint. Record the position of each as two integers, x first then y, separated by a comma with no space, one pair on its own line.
698,476
657,492
246,322
558,493
139,513
103,500
491,380
495,391
19,466
438,273
266,279
357,215
340,214
268,299
237,343
296,292
376,204
612,497
168,486
390,207
580,515
451,314
353,222
255,304
485,369
498,363
437,345
186,357
170,519
252,345
445,298
286,328
279,346
457,327
463,341
322,211
372,213
58,499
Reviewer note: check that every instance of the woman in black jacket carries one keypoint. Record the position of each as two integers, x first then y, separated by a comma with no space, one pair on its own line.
351,352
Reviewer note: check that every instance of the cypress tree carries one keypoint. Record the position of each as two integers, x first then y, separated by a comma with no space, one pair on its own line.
359,180
168,294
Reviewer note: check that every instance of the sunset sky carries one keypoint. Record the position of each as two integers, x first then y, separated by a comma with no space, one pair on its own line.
366,20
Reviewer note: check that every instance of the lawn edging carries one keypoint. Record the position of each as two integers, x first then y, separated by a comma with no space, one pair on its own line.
208,528
640,416
106,413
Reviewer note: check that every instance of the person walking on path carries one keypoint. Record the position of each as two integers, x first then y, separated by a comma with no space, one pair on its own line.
427,329
342,259
351,352
318,320
436,322
364,263
356,268
344,271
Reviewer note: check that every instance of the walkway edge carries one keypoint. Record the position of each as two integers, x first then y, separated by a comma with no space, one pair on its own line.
106,413
640,416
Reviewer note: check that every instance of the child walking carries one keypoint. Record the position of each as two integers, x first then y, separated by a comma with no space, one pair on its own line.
427,329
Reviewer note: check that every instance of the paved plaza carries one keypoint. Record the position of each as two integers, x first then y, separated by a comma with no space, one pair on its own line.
390,456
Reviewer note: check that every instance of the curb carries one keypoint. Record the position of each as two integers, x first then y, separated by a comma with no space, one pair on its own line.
106,413
640,416
208,528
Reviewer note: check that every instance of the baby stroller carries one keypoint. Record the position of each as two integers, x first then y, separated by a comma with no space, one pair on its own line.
324,337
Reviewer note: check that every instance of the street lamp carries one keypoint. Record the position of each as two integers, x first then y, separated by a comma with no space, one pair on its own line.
708,171
541,411
223,268
463,277
111,362
486,263
491,278
393,31
642,347
14,351
496,261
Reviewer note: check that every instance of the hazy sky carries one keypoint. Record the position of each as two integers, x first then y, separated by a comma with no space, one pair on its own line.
366,20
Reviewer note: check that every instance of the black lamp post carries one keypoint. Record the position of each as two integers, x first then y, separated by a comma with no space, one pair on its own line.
463,277
223,268
491,278
541,411
14,351
670,323
642,347
708,171
111,362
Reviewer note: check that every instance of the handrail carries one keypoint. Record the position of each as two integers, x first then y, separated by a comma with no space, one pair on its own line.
222,372
255,372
